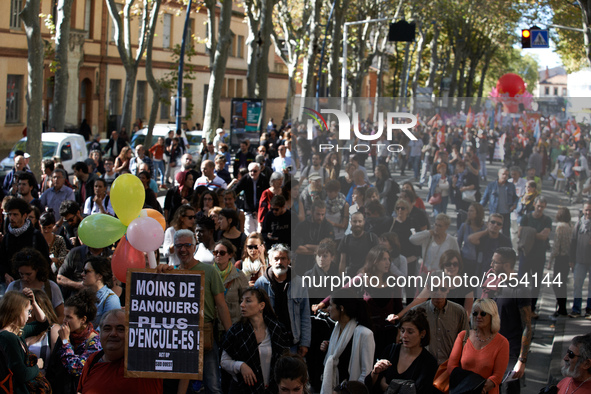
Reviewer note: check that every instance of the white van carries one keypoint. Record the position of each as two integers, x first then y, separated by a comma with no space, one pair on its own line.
160,130
70,148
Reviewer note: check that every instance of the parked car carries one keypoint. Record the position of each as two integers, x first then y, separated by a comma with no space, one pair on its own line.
70,148
160,130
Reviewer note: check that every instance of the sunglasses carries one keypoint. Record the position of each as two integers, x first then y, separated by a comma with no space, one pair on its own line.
219,252
252,246
454,264
190,217
400,208
180,246
571,354
496,223
481,313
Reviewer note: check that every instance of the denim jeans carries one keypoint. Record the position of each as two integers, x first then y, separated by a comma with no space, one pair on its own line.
482,158
159,167
442,207
415,161
212,376
580,274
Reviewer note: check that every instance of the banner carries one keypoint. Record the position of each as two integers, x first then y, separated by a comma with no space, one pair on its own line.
165,319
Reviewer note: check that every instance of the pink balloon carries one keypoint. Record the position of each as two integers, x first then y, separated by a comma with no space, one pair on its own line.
126,256
145,234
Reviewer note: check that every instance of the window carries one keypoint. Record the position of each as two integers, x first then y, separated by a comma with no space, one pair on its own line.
140,105
239,85
16,6
66,152
224,93
190,32
14,92
556,91
188,94
547,91
240,47
166,30
564,91
231,88
165,104
114,96
88,18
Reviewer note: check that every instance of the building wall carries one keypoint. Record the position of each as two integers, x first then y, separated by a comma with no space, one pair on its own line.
100,64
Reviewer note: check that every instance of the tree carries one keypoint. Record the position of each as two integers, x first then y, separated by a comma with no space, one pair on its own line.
156,87
334,71
122,33
30,18
309,61
57,115
572,46
218,60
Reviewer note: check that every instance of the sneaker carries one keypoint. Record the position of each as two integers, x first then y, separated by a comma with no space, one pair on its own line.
588,317
574,314
534,315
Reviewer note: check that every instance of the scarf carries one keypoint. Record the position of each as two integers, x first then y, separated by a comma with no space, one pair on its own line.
336,347
19,231
335,206
78,339
224,273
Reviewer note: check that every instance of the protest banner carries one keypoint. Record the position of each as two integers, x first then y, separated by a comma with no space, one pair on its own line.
164,324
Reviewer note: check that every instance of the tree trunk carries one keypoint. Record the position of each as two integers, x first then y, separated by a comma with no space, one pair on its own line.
57,115
334,71
462,80
402,93
154,85
487,59
218,70
310,57
291,72
585,6
434,58
30,18
419,64
263,55
252,18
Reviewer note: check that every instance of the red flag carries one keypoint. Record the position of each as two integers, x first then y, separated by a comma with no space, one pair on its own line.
441,136
470,118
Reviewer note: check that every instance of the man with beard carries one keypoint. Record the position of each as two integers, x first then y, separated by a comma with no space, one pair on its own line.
289,298
487,241
576,366
70,212
355,246
514,306
184,247
308,235
103,371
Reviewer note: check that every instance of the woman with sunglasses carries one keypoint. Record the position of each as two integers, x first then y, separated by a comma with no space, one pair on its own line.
228,220
98,277
450,265
486,352
15,310
179,195
253,345
184,219
233,280
77,341
254,259
408,360
34,274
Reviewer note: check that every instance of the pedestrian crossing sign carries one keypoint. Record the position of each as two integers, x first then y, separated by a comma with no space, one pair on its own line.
539,39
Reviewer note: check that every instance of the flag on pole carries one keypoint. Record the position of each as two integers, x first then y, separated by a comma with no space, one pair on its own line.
470,118
537,130
441,136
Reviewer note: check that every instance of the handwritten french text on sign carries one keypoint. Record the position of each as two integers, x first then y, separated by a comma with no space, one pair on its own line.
165,318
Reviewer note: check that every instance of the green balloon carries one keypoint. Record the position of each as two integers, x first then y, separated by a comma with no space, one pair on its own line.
100,230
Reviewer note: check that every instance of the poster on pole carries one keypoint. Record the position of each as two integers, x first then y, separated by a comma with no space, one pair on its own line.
164,323
247,116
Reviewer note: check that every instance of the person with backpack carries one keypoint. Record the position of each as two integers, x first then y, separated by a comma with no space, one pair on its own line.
100,202
77,341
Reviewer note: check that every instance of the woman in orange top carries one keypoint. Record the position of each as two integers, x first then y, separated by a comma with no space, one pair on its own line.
486,351
157,152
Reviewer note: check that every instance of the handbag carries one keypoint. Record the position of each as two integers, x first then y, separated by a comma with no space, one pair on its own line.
462,381
469,195
441,380
435,199
401,386
39,384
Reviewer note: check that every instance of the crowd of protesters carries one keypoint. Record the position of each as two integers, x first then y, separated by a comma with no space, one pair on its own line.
260,222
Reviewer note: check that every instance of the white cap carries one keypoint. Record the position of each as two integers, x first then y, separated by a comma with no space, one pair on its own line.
220,131
26,155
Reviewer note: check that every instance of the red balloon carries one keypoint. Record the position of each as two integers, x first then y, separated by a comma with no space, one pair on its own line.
126,256
511,84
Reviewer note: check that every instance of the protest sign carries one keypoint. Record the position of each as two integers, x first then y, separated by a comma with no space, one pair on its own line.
165,319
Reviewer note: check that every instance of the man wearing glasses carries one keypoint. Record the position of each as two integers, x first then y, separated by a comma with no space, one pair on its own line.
514,304
53,197
576,366
487,241
253,185
184,247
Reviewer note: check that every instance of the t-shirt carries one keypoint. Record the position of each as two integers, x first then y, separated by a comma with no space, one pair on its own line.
107,377
356,250
539,224
56,294
564,384
213,287
509,302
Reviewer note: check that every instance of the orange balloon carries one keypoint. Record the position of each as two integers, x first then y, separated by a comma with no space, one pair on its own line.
124,257
154,214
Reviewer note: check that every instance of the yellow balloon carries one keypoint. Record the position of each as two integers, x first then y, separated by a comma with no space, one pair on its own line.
127,197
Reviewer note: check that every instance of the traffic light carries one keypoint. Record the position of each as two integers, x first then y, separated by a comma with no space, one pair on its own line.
525,38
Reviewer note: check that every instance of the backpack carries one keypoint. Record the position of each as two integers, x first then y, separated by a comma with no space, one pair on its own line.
6,379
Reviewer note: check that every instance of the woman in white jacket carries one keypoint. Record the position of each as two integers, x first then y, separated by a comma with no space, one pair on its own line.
350,351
